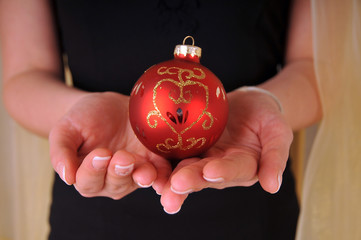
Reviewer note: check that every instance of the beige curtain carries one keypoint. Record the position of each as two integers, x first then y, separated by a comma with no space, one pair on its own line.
332,187
25,182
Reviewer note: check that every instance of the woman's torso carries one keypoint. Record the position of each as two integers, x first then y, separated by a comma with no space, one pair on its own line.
109,45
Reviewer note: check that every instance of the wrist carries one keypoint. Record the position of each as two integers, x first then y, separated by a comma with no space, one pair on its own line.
265,92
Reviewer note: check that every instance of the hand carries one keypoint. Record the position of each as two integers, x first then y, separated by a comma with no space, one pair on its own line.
254,147
94,148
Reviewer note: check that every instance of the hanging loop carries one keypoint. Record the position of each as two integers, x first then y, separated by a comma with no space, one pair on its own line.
185,39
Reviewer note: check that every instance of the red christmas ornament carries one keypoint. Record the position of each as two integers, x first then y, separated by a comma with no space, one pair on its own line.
178,108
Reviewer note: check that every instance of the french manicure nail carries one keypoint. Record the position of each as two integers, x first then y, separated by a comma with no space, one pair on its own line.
170,212
279,179
61,171
181,192
214,180
100,162
123,170
144,185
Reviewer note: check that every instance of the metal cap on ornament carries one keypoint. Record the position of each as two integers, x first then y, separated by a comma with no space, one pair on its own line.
188,52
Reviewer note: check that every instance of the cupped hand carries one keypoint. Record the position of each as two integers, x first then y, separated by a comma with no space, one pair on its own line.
94,148
254,147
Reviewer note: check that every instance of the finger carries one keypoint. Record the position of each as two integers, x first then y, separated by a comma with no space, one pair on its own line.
188,176
144,173
164,170
238,168
171,201
90,176
64,141
272,165
273,161
119,181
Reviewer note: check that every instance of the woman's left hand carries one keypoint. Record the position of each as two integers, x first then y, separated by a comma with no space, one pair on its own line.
254,147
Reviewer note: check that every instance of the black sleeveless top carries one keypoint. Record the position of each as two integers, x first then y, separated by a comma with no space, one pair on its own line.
109,44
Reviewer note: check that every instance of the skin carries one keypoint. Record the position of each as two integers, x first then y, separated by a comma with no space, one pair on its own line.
92,145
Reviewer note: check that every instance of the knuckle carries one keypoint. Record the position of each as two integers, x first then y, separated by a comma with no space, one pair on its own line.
117,197
85,189
118,189
86,195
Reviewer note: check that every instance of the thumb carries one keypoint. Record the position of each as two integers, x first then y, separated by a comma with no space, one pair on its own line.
270,171
64,142
276,141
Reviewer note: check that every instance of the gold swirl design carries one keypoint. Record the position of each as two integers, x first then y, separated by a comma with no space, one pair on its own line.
180,71
184,97
205,127
153,113
166,147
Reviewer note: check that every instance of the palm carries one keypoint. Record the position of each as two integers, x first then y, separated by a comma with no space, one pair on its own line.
254,147
100,121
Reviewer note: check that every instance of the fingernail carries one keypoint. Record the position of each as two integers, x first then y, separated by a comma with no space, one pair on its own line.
180,192
124,170
214,180
170,212
279,178
60,169
144,185
100,163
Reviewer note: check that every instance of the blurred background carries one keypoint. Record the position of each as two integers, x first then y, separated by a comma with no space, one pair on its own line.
25,181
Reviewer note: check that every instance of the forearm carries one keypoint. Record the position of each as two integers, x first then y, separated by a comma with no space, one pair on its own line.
33,92
296,88
38,99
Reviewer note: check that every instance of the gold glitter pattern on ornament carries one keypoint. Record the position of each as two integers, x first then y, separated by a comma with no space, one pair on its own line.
185,78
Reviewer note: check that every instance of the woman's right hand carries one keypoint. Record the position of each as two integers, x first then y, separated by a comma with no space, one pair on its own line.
94,148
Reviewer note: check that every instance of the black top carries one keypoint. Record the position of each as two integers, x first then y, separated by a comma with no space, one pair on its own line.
109,45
